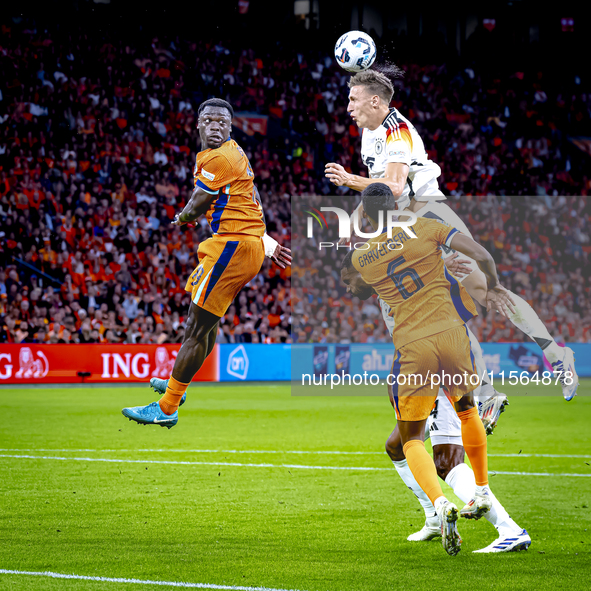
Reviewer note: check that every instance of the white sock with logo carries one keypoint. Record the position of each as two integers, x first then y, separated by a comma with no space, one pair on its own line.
461,480
408,479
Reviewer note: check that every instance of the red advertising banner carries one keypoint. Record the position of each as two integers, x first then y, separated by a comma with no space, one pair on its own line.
251,123
54,364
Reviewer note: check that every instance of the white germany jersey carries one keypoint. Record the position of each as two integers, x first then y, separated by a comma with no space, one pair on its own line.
397,140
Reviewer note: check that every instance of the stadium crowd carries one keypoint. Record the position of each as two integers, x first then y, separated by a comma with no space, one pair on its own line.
97,146
541,246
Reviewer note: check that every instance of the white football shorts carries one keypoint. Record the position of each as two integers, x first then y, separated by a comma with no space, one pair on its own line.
443,422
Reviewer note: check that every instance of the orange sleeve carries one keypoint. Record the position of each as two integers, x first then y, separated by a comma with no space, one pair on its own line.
441,232
216,172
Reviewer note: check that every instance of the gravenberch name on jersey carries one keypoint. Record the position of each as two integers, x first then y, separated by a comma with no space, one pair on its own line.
397,140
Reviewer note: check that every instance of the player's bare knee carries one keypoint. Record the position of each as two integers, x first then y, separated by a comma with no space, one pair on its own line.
190,327
394,448
197,333
446,457
441,465
465,403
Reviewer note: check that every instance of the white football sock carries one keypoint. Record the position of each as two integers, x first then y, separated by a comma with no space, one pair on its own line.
408,479
499,517
526,319
439,501
461,480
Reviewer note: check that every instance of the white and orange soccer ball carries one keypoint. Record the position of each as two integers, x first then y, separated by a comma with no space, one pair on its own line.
355,51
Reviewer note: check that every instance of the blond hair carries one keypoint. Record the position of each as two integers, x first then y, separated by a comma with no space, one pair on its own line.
375,82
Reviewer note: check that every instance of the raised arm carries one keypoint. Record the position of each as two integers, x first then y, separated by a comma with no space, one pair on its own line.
475,251
497,296
394,177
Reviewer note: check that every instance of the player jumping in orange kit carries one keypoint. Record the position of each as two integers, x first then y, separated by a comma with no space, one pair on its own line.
430,336
224,192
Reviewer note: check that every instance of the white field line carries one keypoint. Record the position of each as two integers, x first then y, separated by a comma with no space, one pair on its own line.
237,464
185,463
137,581
205,451
272,451
580,456
494,472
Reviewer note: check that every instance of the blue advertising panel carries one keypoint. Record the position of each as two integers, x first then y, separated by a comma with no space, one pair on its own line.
377,358
284,362
255,362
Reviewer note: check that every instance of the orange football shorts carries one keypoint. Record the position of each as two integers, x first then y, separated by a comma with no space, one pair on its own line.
226,264
420,368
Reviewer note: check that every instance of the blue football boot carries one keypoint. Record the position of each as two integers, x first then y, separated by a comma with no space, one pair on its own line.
151,415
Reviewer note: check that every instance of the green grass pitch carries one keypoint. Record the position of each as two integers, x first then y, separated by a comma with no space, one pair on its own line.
278,526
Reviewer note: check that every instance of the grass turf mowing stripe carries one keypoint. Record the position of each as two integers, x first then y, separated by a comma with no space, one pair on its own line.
138,581
237,464
276,451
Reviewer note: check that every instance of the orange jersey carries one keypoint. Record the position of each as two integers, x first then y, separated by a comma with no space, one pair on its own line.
226,173
425,298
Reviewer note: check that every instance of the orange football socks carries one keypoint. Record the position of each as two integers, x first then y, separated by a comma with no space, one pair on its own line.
169,403
423,469
474,439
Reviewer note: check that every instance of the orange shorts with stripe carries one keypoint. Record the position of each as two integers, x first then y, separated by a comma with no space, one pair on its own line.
226,264
447,357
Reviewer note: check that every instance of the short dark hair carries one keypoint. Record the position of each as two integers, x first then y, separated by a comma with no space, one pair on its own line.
375,82
216,102
347,261
378,197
